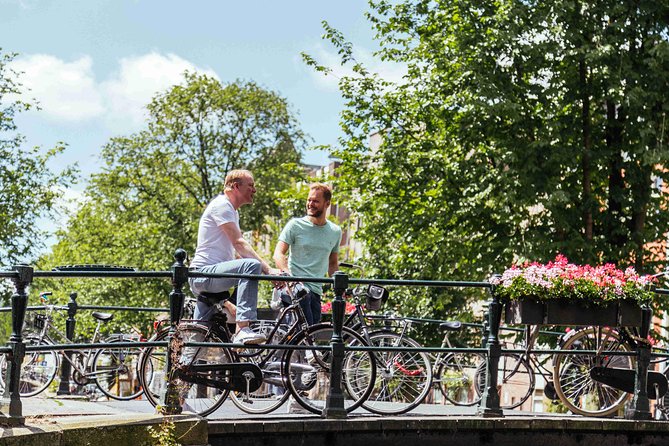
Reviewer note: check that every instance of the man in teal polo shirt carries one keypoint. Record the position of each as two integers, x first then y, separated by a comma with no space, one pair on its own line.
313,242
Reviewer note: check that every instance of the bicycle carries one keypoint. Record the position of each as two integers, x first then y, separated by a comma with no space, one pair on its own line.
600,384
661,409
516,376
586,384
405,378
301,370
113,370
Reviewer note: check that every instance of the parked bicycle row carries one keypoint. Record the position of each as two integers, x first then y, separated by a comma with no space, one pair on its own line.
385,370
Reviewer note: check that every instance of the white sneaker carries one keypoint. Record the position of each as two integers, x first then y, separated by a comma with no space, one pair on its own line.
248,336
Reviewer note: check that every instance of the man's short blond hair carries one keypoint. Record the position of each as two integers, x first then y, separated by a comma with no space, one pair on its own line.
324,188
235,177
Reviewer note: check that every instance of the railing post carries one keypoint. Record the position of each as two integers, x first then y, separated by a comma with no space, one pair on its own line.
334,403
66,366
11,408
485,329
489,406
171,402
640,408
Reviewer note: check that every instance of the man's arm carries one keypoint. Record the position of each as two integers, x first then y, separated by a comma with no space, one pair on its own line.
243,248
333,263
280,257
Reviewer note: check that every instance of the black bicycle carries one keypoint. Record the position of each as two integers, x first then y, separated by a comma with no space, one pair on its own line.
295,361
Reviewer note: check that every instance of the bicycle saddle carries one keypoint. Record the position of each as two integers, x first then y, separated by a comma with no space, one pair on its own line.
450,325
104,317
213,298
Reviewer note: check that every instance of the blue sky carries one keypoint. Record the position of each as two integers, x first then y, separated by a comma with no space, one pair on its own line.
93,64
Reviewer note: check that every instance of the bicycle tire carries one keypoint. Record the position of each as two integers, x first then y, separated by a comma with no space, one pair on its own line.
38,368
272,393
112,367
661,410
515,380
200,399
571,373
152,369
403,378
456,378
307,372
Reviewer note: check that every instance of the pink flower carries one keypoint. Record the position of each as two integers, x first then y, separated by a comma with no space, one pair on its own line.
561,279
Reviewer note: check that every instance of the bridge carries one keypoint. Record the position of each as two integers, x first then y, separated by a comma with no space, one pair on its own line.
60,421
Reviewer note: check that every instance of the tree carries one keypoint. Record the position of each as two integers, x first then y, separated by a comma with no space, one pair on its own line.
148,199
521,129
29,189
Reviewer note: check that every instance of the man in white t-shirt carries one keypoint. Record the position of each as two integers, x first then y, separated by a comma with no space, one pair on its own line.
219,243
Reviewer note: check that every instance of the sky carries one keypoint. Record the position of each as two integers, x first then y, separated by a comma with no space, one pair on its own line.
92,65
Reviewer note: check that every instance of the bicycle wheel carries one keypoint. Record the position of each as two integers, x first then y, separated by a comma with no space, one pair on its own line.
403,378
152,363
456,378
515,380
116,370
307,372
38,369
571,373
198,398
661,411
272,393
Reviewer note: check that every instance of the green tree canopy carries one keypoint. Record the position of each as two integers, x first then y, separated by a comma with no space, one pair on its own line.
520,130
155,184
29,188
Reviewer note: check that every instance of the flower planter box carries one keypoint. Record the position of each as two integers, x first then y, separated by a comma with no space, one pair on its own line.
526,311
629,314
558,312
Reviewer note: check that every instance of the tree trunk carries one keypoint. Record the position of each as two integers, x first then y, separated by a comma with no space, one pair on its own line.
616,232
587,150
641,190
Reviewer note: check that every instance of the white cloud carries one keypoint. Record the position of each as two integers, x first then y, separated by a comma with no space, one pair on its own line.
138,79
66,91
392,72
69,91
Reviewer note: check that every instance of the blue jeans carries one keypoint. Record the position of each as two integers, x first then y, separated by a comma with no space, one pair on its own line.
311,305
247,290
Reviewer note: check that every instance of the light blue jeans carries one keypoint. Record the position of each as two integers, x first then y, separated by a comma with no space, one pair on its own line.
247,290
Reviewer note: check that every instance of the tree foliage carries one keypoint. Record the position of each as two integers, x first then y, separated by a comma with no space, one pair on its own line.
29,189
155,184
520,130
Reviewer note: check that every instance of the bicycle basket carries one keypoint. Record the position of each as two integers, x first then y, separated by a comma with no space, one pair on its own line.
375,297
39,320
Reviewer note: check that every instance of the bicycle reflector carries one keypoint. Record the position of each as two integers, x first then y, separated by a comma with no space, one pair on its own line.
376,296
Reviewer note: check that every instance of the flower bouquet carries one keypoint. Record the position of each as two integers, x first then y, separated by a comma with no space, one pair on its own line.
563,293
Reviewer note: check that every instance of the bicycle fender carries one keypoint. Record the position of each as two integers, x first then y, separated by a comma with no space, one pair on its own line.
624,379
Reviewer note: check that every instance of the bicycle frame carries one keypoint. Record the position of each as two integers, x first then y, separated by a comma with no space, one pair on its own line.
84,366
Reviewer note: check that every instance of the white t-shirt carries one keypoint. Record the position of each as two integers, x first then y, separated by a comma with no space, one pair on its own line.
213,245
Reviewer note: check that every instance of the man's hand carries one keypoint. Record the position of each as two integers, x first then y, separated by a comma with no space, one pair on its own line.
276,272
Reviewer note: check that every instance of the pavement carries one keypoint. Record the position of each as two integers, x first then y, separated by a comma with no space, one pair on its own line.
73,406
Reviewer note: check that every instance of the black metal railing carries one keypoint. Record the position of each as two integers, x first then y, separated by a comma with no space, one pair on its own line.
22,276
